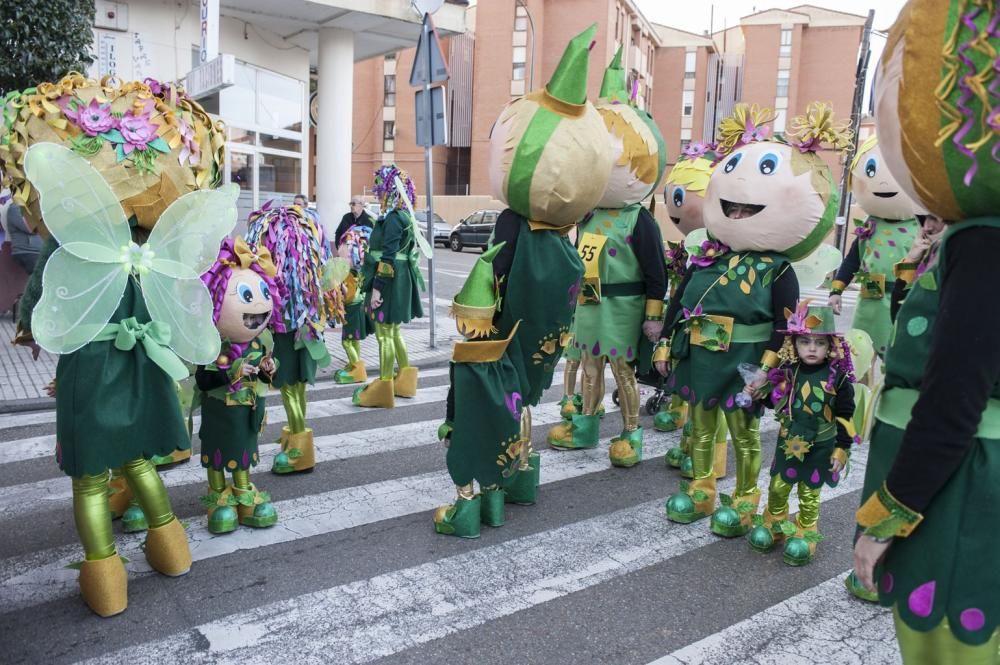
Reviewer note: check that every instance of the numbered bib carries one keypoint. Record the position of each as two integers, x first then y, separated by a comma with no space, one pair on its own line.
590,250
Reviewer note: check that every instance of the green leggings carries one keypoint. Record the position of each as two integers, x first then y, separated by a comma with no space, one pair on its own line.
217,480
939,646
745,433
777,501
293,396
352,348
391,350
93,517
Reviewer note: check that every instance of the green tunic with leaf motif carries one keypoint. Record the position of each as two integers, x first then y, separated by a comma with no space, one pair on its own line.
392,265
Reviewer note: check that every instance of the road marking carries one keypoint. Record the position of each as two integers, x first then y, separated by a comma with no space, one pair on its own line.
383,615
41,576
823,624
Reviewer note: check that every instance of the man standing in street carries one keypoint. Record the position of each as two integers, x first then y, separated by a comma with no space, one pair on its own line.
358,216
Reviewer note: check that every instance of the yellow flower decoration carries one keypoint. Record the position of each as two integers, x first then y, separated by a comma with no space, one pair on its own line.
745,125
817,126
796,447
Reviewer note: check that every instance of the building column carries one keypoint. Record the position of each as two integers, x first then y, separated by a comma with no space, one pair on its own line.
334,89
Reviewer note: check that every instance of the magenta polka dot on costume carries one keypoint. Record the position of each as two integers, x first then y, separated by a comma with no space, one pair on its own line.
792,473
814,478
597,349
887,582
629,353
217,458
972,619
877,255
628,239
613,352
730,401
921,599
612,252
902,229
381,317
246,459
892,243
685,390
712,402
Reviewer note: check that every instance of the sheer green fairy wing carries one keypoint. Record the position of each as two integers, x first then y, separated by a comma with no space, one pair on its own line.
813,270
78,299
186,306
78,206
185,241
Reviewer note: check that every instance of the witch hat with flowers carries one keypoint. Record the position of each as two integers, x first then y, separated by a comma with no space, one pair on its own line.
474,306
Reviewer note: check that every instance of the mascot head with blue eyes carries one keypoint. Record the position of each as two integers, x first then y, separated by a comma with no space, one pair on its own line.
685,188
244,292
877,191
774,194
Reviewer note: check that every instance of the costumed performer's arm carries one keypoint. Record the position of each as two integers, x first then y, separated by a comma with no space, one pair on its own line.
848,268
392,236
647,243
507,229
784,295
32,294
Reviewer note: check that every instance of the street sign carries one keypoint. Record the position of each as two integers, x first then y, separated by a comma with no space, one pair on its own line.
429,65
433,129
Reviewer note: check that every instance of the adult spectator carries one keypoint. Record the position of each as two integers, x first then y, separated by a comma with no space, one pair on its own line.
358,216
24,245
301,201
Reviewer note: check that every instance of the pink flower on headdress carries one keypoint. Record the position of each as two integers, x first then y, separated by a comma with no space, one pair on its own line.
753,133
709,251
696,150
797,321
191,150
695,313
94,118
865,230
137,130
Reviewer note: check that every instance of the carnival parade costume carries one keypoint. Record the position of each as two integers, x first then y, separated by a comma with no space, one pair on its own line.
931,481
684,195
392,269
121,176
883,239
814,405
245,297
357,324
769,202
624,280
295,240
537,274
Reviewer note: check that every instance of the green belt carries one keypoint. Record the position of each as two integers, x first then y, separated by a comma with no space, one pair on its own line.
623,289
400,258
748,334
413,259
155,338
896,404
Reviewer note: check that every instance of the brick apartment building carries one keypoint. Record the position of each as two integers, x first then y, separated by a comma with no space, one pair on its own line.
782,59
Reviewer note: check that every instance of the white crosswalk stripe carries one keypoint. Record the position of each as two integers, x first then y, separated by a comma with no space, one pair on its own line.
413,606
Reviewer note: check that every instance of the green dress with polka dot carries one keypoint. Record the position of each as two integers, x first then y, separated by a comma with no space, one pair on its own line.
612,327
937,572
888,244
808,433
736,285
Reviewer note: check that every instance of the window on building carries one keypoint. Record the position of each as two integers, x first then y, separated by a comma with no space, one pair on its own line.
518,72
690,64
520,54
520,19
687,103
786,42
388,135
684,144
391,56
782,90
390,89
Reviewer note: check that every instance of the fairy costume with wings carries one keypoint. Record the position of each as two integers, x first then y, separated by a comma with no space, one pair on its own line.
130,230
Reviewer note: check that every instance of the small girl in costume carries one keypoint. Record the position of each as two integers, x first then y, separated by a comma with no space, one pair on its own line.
294,238
392,281
813,400
245,297
357,324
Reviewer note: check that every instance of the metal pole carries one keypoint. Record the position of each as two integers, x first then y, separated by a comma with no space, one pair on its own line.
429,168
859,94
531,24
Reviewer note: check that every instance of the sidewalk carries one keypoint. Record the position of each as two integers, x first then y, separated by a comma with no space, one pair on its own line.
23,381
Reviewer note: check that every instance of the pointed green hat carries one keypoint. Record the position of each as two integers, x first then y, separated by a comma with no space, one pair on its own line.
613,87
569,82
810,320
474,306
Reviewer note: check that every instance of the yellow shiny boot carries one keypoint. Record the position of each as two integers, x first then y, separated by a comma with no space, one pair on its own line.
298,454
405,383
379,394
104,585
167,549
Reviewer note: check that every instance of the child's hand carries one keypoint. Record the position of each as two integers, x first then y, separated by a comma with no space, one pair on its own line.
267,365
920,245
836,464
50,388
248,370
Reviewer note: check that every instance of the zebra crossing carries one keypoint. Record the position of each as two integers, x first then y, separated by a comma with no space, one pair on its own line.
353,573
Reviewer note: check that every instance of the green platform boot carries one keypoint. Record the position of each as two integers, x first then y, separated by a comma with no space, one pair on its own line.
461,518
800,548
254,508
222,515
694,502
134,519
570,405
626,449
766,531
735,516
578,433
492,507
669,419
854,587
523,491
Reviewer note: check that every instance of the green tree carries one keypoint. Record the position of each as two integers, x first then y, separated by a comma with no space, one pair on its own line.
42,40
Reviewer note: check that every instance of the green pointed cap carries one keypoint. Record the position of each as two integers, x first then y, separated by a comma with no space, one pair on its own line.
811,320
613,86
569,82
474,306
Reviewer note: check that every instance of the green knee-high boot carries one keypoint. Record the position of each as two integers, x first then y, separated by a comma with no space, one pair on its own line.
298,454
103,581
380,393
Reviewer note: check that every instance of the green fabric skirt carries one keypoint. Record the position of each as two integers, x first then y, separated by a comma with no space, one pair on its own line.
873,316
294,365
487,423
229,434
813,469
357,324
611,329
942,569
115,406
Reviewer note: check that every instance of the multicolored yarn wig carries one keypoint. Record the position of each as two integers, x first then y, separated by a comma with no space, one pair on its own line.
297,244
385,188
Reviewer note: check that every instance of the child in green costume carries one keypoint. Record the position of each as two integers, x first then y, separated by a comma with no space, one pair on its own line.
114,259
929,519
357,324
392,284
625,283
769,202
245,296
812,395
295,239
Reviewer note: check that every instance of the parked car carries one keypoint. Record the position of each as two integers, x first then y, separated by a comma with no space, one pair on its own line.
474,231
442,230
